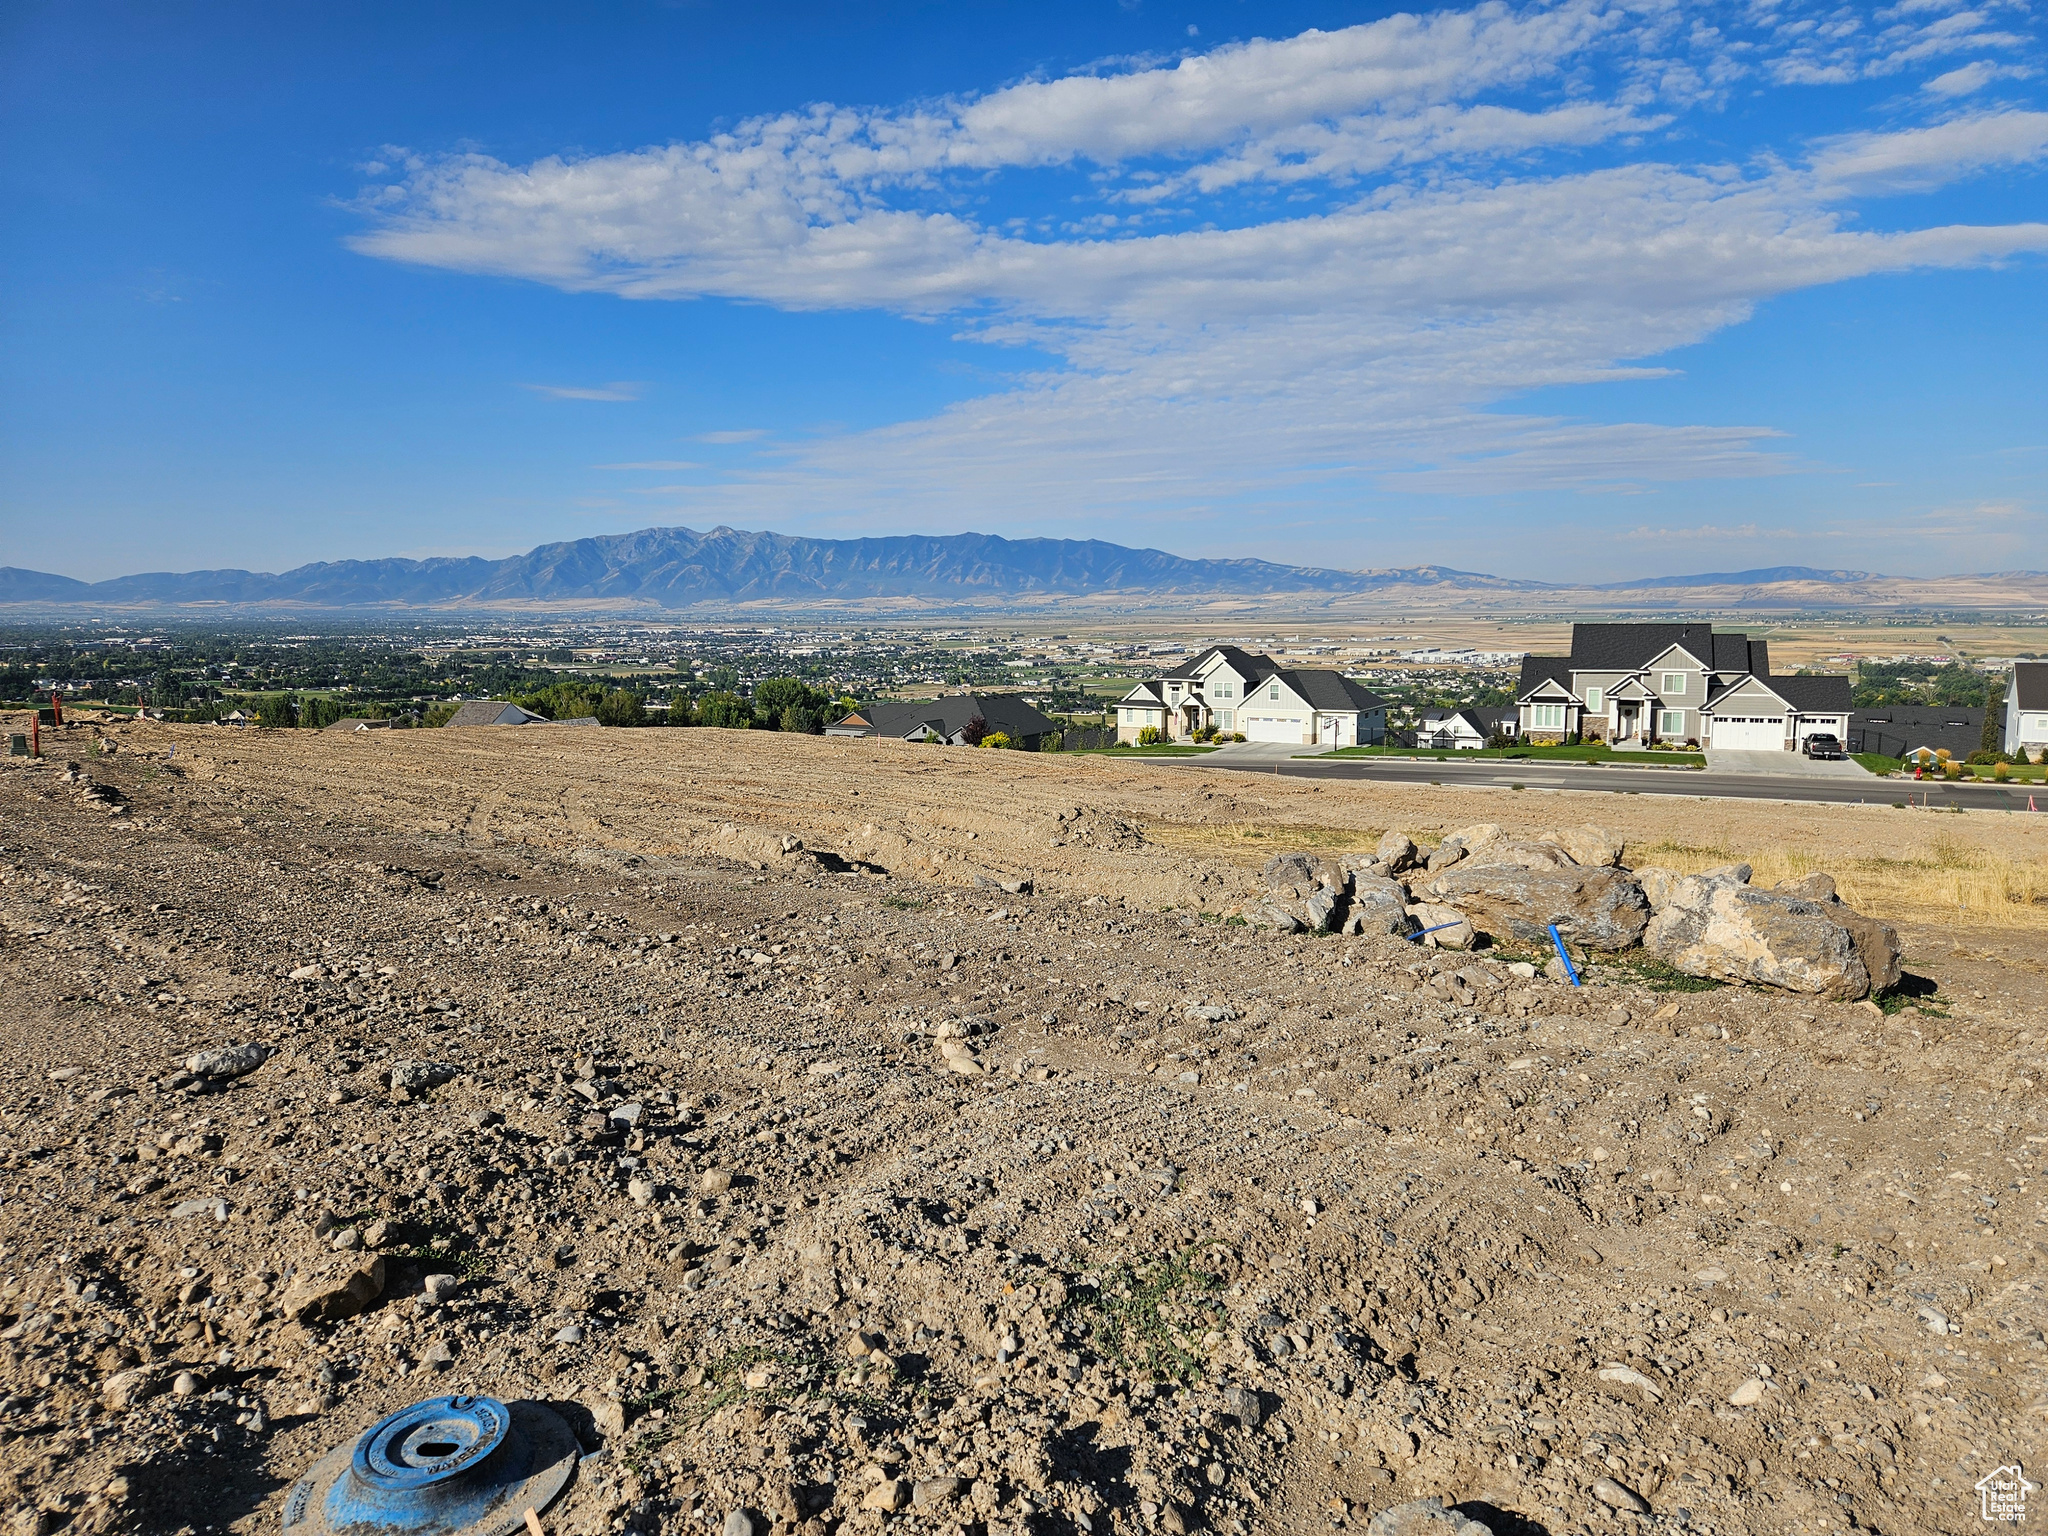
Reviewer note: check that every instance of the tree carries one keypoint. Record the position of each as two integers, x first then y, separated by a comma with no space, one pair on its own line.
973,731
790,704
621,708
726,710
166,691
439,714
277,711
1992,736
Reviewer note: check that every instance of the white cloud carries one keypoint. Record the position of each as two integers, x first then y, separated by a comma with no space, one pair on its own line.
1312,262
1974,77
615,392
652,464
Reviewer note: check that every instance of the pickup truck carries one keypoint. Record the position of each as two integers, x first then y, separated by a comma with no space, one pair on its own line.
1823,744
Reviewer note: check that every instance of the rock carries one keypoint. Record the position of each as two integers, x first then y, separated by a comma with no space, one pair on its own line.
1377,905
438,1288
935,1491
641,1191
124,1389
1750,1393
347,1240
1730,931
1598,908
438,1356
888,1496
217,1209
715,1181
1656,883
1519,854
1318,911
1243,1404
1274,915
568,1333
186,1385
377,1234
1212,1013
228,1060
740,1522
1453,930
1396,851
332,1288
1302,875
417,1076
1588,845
1423,1517
1877,943
1813,887
1625,1376
607,1414
625,1116
1615,1496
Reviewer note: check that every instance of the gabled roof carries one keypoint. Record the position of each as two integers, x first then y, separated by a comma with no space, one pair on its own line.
1144,693
1716,697
2031,679
1540,670
495,712
1242,662
1685,652
949,714
1631,688
1331,692
1438,719
1625,647
1813,695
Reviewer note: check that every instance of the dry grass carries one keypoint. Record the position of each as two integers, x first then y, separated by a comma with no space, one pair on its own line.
1939,881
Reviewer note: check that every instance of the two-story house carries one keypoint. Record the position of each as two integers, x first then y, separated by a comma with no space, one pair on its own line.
1635,684
1228,689
2026,708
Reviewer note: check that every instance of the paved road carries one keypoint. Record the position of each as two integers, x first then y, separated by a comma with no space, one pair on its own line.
1706,785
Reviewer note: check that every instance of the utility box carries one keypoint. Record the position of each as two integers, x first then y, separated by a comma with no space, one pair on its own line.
17,745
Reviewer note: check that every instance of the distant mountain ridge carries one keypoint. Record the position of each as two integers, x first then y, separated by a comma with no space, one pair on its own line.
680,569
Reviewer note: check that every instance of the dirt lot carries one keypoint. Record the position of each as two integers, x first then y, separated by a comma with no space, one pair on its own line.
642,1038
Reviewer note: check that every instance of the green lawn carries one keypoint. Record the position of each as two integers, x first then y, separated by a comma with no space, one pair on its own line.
1584,754
2016,773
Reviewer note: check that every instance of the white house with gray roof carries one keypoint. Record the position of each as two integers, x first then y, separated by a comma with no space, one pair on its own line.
1640,684
2026,708
1228,689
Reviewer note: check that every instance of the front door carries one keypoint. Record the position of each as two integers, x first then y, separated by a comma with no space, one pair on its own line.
1625,722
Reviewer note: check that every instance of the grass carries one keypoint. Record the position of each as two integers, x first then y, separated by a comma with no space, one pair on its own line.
1941,881
1143,1317
1583,754
1876,762
902,903
807,1373
1646,970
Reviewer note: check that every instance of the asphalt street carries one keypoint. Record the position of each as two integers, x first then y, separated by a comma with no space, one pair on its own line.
1626,780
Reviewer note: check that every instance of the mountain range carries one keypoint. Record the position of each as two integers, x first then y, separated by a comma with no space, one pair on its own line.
680,568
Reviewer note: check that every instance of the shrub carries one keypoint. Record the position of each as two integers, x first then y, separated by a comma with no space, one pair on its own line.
1000,740
439,714
1150,736
1237,735
1052,741
2001,773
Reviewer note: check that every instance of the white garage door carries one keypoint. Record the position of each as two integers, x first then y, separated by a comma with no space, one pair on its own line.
1750,733
1290,728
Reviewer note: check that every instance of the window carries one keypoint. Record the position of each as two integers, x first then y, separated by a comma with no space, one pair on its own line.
1273,694
1670,722
1595,700
1673,682
1546,717
1227,719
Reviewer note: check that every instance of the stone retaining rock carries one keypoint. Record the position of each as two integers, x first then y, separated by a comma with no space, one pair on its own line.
1599,908
1724,929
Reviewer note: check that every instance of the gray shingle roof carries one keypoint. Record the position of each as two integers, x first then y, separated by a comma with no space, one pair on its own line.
1538,670
494,712
1812,695
1243,662
949,713
1331,691
1624,647
2032,677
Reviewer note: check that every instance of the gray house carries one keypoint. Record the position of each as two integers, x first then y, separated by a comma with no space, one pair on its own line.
495,712
1638,684
949,718
2026,708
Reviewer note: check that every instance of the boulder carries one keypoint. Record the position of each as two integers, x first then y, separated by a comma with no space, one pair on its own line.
1656,882
1727,930
1454,928
334,1286
1378,905
1424,1517
1877,943
1599,908
1588,844
1519,854
1302,875
1319,910
228,1060
1276,915
1396,852
416,1076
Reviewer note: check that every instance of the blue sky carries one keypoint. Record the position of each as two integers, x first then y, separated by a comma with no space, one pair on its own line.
1576,289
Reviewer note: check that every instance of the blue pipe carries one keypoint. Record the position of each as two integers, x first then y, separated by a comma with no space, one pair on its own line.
1416,938
1569,969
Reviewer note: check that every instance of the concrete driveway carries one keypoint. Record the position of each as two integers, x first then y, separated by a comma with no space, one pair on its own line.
1784,765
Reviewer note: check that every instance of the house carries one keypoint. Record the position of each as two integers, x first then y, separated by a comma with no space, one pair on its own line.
352,725
958,719
2026,708
1228,689
1901,732
1455,730
1637,684
499,712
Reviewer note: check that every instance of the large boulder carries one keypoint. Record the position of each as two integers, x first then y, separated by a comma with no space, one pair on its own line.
1725,929
1877,943
1378,905
1396,851
1599,908
1302,875
1588,844
334,1286
1442,927
1519,853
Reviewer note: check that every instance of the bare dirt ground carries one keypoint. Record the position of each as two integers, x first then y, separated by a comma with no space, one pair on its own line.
642,1039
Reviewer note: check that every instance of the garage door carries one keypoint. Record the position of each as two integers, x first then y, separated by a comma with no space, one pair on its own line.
1750,733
